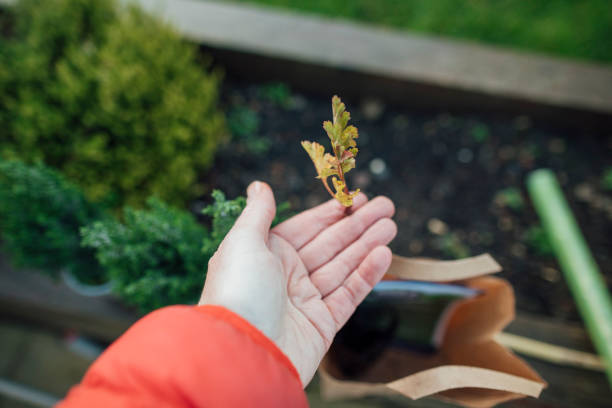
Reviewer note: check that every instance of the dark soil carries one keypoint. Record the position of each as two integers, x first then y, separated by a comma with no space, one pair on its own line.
453,178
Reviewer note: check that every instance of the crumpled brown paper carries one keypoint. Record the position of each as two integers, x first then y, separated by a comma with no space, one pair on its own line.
470,368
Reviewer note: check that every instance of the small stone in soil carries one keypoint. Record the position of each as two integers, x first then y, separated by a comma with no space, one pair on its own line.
400,122
295,181
295,201
437,227
445,120
438,149
550,274
487,238
584,192
415,246
465,155
556,146
522,122
297,103
372,109
505,223
441,190
312,200
402,214
474,238
361,179
378,167
518,250
506,152
429,128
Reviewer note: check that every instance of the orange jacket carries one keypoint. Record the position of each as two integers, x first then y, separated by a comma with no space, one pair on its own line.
184,356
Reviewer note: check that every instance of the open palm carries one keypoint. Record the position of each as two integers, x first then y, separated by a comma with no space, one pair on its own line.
301,281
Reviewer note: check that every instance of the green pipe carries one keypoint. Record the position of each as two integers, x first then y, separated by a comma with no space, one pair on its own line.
579,268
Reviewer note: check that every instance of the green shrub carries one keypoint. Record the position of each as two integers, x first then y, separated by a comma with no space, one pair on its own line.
40,218
159,256
110,96
154,257
223,213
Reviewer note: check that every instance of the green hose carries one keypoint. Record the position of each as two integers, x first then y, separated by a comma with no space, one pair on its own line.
580,270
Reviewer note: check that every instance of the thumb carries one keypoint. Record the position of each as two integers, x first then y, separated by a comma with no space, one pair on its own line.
260,210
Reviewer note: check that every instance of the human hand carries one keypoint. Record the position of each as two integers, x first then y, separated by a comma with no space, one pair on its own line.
301,281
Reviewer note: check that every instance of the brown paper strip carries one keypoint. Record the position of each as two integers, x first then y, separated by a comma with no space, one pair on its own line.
442,271
449,377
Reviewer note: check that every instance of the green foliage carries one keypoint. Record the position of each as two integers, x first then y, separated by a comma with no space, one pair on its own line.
40,217
223,214
276,93
243,124
111,96
159,256
480,133
565,27
606,179
153,257
510,197
344,147
536,239
452,247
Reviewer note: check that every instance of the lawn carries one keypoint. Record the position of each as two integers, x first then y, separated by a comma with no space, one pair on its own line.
569,28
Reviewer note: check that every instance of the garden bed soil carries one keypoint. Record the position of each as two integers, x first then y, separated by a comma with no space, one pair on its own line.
458,181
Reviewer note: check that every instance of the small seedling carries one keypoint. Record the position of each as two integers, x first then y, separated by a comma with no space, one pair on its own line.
243,123
510,197
276,93
452,247
480,133
536,239
344,149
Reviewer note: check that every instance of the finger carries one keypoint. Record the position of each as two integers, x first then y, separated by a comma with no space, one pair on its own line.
259,212
331,275
343,301
300,229
324,247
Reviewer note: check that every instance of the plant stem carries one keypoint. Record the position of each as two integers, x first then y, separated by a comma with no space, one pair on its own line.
340,172
577,262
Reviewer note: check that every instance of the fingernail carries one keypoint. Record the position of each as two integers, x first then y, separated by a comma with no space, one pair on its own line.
253,190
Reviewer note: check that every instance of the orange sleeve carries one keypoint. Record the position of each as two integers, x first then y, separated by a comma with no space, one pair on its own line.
185,356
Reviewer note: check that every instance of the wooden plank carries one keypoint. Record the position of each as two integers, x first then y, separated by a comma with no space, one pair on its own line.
32,296
256,41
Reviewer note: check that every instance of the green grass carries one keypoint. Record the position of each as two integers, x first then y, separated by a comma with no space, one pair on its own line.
571,28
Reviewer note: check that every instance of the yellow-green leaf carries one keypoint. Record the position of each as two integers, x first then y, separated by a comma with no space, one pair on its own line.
344,198
348,164
324,162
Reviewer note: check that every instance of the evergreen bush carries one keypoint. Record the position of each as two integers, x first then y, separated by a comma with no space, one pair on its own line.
154,257
40,218
109,95
159,256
